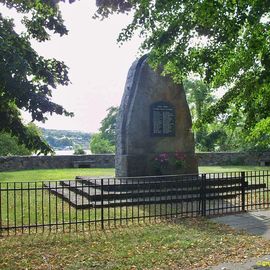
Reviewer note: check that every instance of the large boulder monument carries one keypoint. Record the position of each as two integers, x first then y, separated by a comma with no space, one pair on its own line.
154,134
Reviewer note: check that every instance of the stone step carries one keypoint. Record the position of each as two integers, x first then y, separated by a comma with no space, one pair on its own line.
134,184
157,200
81,197
94,193
66,194
157,183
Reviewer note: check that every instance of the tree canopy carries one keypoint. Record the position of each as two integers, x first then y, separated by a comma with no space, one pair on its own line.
26,78
9,145
226,43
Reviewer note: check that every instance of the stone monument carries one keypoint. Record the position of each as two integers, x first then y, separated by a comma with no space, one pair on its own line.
154,126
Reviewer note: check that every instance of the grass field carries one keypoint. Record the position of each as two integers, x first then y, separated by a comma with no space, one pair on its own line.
184,244
52,174
60,174
31,204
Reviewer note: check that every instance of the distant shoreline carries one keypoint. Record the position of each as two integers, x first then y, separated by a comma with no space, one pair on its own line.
69,152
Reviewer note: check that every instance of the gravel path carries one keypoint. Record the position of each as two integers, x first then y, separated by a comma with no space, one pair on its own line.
255,222
262,263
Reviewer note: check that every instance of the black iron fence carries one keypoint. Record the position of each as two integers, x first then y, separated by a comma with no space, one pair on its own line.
100,203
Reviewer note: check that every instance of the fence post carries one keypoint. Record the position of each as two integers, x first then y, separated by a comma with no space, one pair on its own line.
102,206
203,194
243,191
1,210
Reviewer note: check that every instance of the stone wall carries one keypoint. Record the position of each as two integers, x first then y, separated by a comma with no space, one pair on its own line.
54,162
234,158
107,161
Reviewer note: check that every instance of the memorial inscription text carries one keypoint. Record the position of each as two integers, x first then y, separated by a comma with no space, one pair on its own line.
162,117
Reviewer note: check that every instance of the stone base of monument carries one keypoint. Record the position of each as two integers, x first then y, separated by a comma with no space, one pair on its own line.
87,192
91,192
148,165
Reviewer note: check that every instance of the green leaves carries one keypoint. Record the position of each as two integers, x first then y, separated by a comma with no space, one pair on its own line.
41,16
104,142
99,145
107,7
108,125
27,79
226,43
260,134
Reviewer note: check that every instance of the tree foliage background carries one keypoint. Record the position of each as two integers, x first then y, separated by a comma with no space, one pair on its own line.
226,43
104,141
26,78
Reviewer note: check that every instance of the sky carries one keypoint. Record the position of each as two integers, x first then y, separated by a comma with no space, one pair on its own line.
98,66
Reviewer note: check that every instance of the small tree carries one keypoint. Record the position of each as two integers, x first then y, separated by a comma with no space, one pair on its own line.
78,150
108,125
99,145
104,141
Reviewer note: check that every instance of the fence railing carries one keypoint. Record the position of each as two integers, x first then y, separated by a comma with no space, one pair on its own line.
100,203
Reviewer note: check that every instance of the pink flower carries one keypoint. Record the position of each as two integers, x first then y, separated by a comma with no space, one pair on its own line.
179,156
162,157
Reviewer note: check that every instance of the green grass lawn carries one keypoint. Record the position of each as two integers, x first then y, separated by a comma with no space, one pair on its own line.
59,174
184,244
53,174
31,203
221,169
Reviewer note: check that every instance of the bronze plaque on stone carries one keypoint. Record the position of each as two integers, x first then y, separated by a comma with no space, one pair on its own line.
162,119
